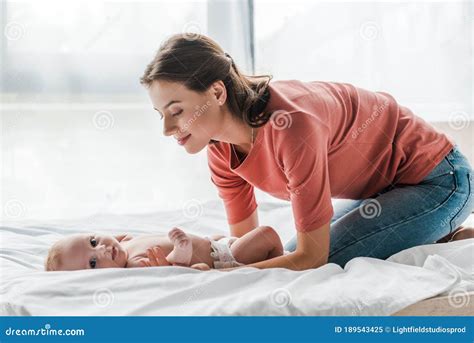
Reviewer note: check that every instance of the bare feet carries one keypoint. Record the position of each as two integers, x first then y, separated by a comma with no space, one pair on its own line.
464,233
183,248
458,234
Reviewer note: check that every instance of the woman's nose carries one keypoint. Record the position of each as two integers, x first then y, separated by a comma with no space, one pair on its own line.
169,128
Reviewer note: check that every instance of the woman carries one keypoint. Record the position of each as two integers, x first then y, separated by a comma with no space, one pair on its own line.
308,142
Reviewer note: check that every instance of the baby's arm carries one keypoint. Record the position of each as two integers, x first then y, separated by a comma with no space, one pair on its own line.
182,252
181,255
137,263
155,258
260,244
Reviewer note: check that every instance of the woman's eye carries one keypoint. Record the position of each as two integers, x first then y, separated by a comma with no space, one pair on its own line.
92,263
93,242
177,113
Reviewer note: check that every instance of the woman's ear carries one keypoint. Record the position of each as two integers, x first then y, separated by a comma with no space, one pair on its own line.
219,92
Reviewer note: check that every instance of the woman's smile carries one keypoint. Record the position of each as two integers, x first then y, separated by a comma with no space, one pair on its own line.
183,140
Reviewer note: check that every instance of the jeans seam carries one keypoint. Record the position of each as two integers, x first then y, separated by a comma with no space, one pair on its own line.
452,152
447,159
469,194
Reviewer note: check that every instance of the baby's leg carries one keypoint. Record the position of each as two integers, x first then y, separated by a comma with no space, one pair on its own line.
262,243
183,248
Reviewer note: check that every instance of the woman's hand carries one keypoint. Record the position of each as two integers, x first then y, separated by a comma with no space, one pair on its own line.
156,258
312,251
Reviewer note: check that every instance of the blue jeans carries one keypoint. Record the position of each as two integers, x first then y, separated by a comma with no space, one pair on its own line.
402,216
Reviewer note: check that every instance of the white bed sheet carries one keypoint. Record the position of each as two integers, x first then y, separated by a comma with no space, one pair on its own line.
366,286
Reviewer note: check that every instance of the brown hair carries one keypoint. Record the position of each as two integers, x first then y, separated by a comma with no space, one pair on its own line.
198,62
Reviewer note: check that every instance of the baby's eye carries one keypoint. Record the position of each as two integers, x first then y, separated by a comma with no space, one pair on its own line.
93,242
92,263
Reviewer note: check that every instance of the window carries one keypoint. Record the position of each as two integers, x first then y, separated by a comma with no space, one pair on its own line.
78,132
420,52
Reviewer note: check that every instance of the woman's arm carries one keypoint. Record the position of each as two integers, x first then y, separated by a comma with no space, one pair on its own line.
246,225
312,251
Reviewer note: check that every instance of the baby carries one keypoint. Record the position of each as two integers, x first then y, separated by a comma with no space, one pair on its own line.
90,251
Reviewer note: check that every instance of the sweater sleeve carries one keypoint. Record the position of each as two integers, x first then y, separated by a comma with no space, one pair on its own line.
302,153
238,195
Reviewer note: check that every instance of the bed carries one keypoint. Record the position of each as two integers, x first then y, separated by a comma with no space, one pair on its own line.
366,286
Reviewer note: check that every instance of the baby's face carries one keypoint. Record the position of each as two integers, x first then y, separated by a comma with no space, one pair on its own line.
90,251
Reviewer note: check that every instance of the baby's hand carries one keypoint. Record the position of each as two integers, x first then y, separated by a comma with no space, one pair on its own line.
201,266
156,258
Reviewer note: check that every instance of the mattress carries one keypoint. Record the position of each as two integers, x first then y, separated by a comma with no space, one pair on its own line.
366,286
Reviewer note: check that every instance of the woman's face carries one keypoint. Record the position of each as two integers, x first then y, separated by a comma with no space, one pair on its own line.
191,117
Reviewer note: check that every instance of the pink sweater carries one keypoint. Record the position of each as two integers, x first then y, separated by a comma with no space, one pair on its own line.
326,140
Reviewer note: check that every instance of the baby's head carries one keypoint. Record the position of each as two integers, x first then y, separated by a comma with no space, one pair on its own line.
86,251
